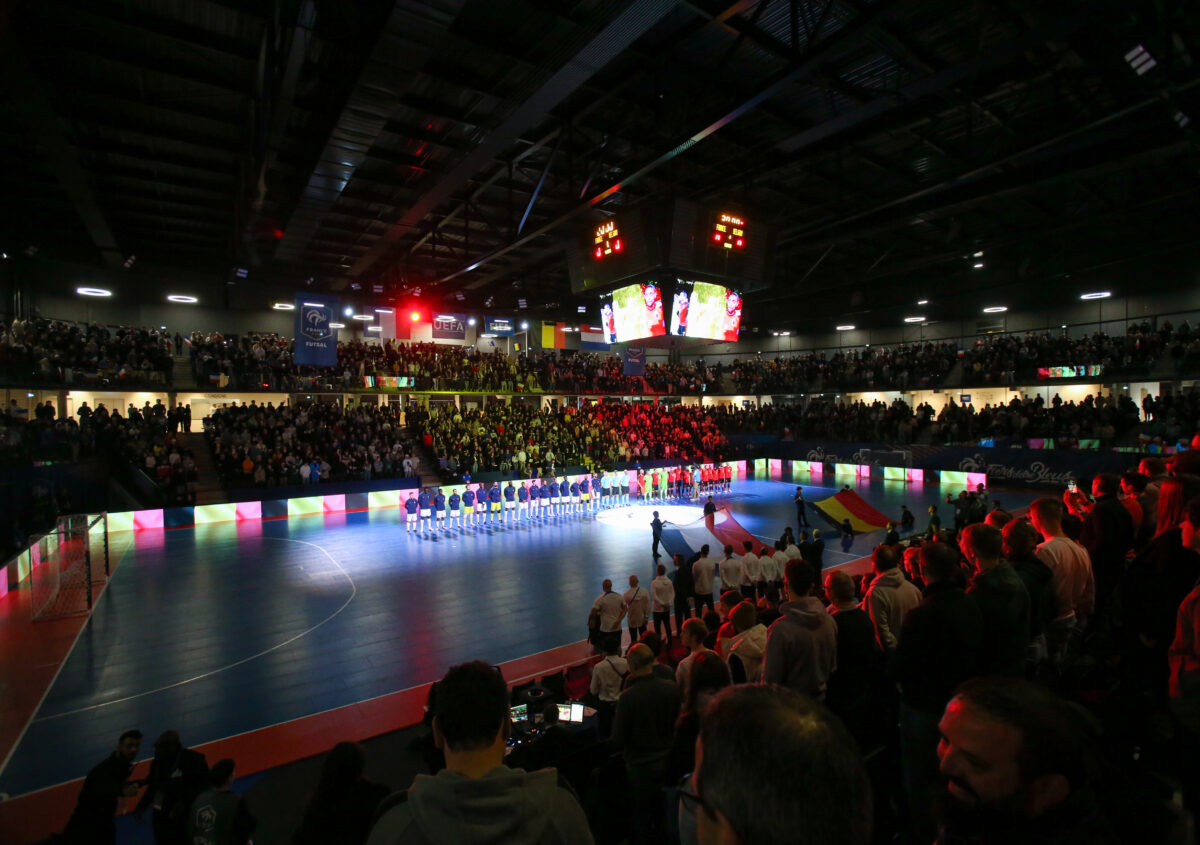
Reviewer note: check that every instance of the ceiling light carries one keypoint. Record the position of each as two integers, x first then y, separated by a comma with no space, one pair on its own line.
284,306
182,298
459,296
348,311
978,265
93,291
922,302
384,311
366,318
377,288
520,303
315,304
487,334
374,328
995,309
914,319
785,334
844,328
3,255
241,272
470,321
524,325
978,254
337,325
1100,294
582,309
1140,60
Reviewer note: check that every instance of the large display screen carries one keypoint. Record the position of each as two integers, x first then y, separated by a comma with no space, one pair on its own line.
708,312
635,312
1068,371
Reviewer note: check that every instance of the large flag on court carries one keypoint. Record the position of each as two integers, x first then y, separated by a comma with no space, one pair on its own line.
591,338
846,504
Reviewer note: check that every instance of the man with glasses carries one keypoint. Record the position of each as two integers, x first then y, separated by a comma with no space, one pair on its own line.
747,787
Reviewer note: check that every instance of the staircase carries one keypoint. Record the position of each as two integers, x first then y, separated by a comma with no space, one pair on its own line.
208,485
181,373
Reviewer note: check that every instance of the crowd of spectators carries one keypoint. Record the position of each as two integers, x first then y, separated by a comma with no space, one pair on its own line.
308,443
524,438
909,366
53,352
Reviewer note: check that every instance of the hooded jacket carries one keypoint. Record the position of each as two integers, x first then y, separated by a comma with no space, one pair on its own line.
749,647
801,650
889,599
505,805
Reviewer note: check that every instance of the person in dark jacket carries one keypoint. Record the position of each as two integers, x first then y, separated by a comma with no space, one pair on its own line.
854,682
1107,536
938,649
177,776
1020,541
1002,600
341,810
219,815
92,823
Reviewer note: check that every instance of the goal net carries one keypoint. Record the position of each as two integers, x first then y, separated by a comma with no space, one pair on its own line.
68,564
888,457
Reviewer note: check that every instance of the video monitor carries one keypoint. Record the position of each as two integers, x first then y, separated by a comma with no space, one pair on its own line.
1068,371
635,312
519,712
707,312
570,712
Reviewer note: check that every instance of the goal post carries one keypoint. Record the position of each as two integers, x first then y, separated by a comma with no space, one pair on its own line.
67,564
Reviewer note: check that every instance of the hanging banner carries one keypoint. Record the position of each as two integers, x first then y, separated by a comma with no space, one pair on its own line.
316,340
499,326
450,327
554,335
635,360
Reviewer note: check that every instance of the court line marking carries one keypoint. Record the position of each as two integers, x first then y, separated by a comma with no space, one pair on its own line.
210,673
510,682
78,634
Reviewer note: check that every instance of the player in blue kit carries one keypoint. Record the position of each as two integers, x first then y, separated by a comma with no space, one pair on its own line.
564,493
555,499
575,492
439,509
535,500
455,506
426,502
468,500
411,506
523,501
510,502
494,503
585,493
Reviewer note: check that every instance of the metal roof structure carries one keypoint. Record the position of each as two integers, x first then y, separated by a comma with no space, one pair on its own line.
455,145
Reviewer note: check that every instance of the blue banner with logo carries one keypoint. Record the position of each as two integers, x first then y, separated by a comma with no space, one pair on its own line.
635,360
450,327
499,326
316,339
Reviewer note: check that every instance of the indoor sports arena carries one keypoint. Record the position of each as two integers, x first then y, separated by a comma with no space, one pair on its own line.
551,421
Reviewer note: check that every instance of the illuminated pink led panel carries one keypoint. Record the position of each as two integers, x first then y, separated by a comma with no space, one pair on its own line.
916,476
335,503
249,510
147,519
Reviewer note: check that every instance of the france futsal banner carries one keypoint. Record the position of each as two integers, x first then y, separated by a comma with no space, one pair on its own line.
316,339
635,360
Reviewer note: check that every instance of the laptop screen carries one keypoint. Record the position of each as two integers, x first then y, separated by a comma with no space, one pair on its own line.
564,712
520,712
576,712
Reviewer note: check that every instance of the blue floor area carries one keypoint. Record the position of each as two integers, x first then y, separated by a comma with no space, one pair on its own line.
227,628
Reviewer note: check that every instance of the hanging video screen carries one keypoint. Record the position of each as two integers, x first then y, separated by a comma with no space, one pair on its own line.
706,312
635,312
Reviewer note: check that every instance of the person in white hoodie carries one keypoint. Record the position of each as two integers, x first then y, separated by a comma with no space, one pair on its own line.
801,651
702,575
749,644
890,597
663,593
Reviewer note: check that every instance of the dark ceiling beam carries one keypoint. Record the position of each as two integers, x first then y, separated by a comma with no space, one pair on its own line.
413,32
813,56
30,105
626,28
174,30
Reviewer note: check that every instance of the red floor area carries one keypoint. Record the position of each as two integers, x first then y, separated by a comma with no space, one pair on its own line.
34,817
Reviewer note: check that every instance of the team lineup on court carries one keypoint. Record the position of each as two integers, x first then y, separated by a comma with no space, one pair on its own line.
538,499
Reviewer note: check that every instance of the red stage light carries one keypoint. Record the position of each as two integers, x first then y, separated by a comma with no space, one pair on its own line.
617,246
415,316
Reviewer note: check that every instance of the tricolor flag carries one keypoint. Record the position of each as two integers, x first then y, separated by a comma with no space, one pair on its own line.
554,335
592,338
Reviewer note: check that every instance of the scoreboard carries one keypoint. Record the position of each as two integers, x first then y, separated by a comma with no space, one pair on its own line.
729,231
607,240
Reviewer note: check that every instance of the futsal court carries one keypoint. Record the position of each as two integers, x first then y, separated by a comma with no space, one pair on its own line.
227,628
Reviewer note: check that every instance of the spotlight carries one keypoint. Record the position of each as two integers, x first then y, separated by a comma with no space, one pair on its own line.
524,325
470,321
348,311
415,316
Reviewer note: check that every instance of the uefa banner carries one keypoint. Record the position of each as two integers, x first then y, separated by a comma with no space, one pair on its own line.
450,327
635,360
499,326
316,339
